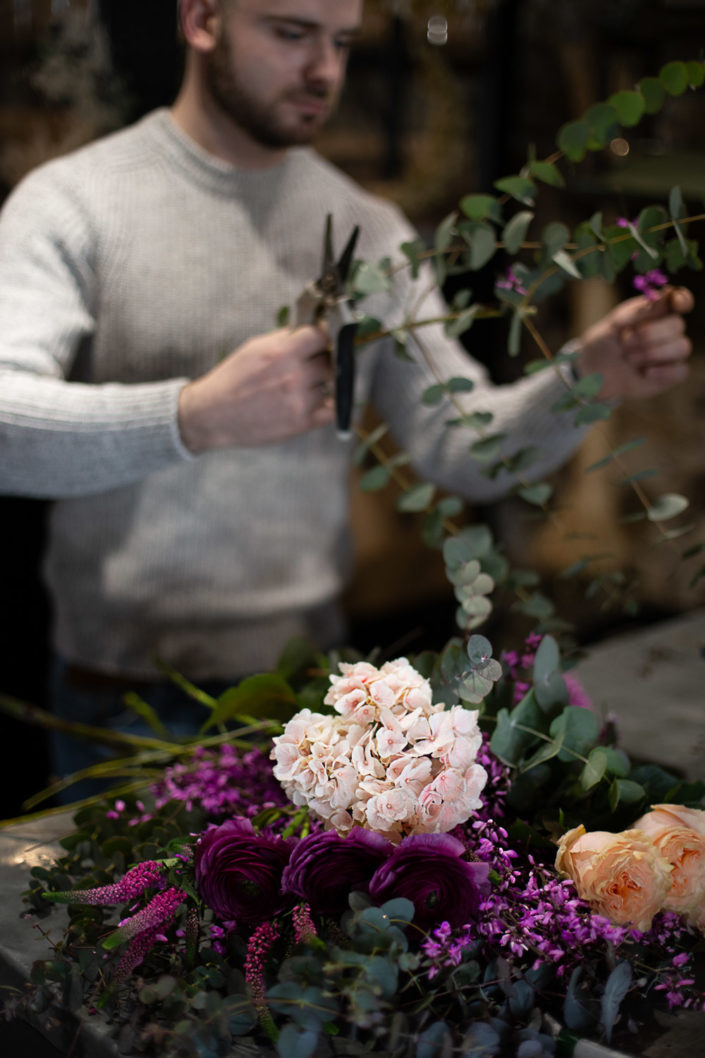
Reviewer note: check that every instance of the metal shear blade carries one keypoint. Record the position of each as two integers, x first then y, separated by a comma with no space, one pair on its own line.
325,298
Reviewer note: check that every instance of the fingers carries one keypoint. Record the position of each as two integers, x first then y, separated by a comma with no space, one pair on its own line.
670,301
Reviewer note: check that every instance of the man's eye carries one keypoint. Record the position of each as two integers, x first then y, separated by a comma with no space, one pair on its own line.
290,34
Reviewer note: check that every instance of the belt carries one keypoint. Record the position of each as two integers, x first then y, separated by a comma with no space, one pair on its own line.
93,680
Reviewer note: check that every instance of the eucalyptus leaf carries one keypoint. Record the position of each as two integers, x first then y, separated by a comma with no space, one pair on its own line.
554,237
654,94
516,730
294,1043
375,479
482,242
418,498
603,123
578,728
594,769
369,278
481,207
455,328
567,264
670,505
487,448
547,173
435,1041
519,187
549,686
414,252
444,233
538,494
616,988
696,74
515,230
590,413
630,107
674,78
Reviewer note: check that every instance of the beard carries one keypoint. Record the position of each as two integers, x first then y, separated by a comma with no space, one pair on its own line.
257,118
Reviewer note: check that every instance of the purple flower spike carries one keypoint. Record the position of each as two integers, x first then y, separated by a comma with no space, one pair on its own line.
148,875
158,913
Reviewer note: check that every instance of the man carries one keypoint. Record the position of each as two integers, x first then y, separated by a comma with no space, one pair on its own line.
201,493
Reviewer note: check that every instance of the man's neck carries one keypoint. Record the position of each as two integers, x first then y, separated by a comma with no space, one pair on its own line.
217,134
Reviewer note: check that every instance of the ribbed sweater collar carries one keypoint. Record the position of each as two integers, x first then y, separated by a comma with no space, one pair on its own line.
209,172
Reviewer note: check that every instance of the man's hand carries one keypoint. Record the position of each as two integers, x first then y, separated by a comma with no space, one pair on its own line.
271,388
640,347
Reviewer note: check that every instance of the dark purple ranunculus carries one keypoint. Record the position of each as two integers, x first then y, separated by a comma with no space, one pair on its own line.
325,867
238,872
429,870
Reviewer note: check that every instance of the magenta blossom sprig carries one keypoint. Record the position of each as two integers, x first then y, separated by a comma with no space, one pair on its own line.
144,876
650,283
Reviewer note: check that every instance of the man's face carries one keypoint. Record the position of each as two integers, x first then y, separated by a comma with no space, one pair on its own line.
279,65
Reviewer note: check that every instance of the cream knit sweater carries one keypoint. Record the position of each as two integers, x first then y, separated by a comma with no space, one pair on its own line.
127,268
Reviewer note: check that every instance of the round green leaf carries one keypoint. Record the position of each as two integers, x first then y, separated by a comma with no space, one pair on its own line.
374,479
696,74
417,498
548,173
481,240
554,237
515,230
654,94
603,123
480,207
519,187
537,494
674,78
573,139
630,107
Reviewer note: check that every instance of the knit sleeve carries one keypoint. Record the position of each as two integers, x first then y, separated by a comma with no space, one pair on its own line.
518,414
60,437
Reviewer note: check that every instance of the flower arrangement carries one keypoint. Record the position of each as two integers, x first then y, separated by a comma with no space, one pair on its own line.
255,917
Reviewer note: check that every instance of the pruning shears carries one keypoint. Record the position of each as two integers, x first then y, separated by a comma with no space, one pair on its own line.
326,298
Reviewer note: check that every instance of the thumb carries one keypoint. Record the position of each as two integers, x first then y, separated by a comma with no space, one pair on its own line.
680,299
309,340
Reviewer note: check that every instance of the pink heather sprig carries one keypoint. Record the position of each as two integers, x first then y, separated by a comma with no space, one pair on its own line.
147,875
258,948
159,912
511,281
649,283
222,782
135,954
445,947
304,928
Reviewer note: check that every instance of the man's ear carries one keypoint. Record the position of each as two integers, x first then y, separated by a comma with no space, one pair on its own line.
200,23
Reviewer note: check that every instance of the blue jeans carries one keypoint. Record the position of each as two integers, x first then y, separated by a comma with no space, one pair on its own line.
100,703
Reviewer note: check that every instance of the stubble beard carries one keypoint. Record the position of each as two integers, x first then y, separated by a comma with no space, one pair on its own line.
257,119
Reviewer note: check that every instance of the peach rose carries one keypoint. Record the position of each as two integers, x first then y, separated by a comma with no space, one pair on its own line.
671,828
623,876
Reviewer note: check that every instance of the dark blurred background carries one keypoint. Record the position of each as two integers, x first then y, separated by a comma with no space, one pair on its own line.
442,99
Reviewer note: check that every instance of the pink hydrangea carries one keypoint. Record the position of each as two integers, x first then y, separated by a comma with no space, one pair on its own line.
389,760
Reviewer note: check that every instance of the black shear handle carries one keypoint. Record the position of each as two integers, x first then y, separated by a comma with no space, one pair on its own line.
345,378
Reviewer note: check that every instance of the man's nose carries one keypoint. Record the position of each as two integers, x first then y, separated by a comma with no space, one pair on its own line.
326,62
